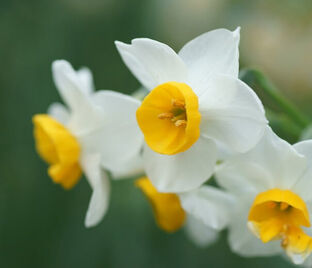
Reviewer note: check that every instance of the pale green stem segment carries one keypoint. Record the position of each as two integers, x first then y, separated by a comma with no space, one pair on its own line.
255,78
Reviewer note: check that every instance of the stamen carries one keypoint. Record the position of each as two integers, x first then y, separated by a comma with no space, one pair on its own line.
285,242
178,117
165,116
180,123
271,204
283,206
285,228
178,103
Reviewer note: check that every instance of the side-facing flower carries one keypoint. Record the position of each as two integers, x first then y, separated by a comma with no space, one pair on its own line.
173,211
96,129
271,185
196,100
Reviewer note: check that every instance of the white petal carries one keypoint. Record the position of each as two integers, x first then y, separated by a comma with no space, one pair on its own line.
243,242
231,113
152,62
224,152
210,205
132,168
181,172
59,112
115,133
86,79
199,233
304,148
68,85
272,163
304,185
99,183
243,177
213,52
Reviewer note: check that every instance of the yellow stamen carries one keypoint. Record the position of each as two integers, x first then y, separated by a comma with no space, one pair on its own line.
281,214
180,123
165,116
167,209
285,227
181,116
169,118
271,204
178,103
284,242
283,206
59,148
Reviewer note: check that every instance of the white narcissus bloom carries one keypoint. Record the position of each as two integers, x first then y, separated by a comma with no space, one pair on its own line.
171,215
196,101
272,206
96,129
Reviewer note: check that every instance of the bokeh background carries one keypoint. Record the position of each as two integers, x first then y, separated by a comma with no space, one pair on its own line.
41,225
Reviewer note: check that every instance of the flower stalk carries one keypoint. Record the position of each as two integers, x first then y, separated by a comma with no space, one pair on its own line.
256,79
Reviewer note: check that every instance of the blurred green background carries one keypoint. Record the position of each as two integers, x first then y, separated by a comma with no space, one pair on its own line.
41,225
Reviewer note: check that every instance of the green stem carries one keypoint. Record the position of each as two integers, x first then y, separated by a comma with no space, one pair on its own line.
251,77
283,126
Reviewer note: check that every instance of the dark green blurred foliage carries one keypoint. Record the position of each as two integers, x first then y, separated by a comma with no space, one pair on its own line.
41,225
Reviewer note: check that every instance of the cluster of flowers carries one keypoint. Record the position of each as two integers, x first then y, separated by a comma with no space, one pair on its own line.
198,120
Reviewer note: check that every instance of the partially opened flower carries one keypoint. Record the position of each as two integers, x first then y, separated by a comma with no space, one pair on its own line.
170,213
272,189
97,129
196,100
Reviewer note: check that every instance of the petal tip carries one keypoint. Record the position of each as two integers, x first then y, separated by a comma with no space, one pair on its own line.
59,62
236,32
60,65
88,224
90,221
117,43
120,45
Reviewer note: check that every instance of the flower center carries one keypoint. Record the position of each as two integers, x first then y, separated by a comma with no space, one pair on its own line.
59,148
167,208
169,118
281,214
177,115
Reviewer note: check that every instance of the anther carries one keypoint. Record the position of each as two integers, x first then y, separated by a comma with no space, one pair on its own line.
165,116
285,228
285,242
283,206
177,103
180,123
271,204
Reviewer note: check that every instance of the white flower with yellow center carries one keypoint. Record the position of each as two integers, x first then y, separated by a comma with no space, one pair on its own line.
98,129
272,186
196,100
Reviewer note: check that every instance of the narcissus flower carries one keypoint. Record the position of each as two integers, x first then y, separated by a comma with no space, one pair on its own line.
171,215
98,129
273,202
196,101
